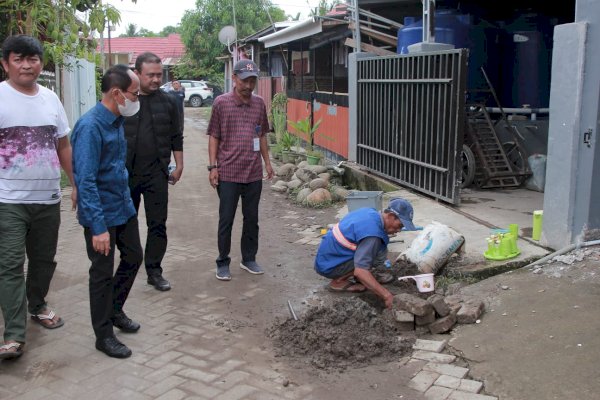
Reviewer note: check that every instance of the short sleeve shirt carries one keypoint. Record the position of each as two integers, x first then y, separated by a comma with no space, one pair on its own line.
236,125
30,127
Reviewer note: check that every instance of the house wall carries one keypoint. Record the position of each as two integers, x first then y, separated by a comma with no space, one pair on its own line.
332,134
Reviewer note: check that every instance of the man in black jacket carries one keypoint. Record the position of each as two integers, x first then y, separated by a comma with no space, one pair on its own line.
152,135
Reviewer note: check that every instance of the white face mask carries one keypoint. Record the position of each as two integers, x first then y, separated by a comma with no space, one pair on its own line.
130,108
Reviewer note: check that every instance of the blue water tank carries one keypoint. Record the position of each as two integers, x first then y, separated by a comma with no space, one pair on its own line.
525,74
464,31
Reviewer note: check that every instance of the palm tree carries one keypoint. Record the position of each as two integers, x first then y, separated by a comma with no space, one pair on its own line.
131,31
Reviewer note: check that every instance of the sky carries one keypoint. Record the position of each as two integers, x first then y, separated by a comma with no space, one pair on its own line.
154,15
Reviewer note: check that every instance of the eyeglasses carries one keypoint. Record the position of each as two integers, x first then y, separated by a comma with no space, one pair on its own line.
136,94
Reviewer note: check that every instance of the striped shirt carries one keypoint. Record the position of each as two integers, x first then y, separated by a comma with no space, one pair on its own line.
30,127
236,124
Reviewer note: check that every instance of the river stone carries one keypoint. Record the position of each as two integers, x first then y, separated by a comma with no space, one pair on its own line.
296,183
303,194
302,164
319,196
338,193
279,189
317,169
286,170
318,183
305,174
325,176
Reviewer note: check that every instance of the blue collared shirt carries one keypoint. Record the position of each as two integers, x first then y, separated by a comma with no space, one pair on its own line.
99,151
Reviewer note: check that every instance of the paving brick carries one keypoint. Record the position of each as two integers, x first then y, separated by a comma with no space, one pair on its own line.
227,366
470,311
233,378
458,395
443,325
426,319
446,369
435,357
437,393
174,394
201,389
236,393
412,304
197,374
164,386
423,380
447,381
440,306
434,346
468,385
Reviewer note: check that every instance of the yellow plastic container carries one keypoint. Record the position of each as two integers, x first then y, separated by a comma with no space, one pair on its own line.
538,219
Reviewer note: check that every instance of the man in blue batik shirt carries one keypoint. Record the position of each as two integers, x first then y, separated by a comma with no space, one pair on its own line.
105,208
358,243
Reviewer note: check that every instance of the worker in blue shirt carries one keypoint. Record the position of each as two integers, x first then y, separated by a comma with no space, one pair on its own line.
359,242
105,208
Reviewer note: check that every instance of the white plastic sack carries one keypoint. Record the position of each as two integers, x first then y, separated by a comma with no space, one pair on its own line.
433,247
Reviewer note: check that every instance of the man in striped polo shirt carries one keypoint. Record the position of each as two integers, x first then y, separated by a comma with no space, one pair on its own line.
237,148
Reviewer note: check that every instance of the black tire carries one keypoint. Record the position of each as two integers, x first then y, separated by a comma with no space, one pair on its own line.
468,167
196,101
207,102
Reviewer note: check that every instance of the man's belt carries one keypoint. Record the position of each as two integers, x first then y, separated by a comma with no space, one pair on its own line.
337,234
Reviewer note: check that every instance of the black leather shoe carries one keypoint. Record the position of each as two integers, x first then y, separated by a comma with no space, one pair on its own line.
124,323
159,282
112,347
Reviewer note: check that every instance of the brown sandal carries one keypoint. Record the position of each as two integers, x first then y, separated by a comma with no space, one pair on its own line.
10,351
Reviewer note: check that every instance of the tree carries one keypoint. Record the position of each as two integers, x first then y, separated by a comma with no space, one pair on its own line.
58,24
167,30
322,8
200,29
130,31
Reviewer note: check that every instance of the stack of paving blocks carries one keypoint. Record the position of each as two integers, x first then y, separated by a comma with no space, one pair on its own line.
437,314
439,378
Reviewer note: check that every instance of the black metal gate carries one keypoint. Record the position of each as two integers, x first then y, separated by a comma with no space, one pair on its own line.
411,119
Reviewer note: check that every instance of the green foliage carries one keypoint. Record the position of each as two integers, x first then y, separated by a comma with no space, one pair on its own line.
57,26
322,8
303,126
167,30
279,114
200,29
287,141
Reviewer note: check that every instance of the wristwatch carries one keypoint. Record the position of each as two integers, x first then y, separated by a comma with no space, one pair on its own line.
211,167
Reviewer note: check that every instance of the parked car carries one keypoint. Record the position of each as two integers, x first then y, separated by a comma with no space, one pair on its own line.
197,93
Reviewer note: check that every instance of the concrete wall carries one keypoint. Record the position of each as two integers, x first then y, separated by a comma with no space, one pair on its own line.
572,180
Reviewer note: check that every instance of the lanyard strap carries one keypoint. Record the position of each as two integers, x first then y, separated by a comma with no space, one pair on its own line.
337,234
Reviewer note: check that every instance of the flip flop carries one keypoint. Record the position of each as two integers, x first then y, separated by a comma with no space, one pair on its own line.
41,318
349,287
6,352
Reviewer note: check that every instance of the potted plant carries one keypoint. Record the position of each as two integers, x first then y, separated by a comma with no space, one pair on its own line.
278,114
304,127
287,141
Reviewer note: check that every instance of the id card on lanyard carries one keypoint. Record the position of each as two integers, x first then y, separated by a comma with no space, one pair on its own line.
256,140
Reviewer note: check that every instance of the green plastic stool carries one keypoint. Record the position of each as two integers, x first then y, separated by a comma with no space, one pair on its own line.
501,246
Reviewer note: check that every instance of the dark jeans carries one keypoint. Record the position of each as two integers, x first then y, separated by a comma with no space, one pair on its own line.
108,293
155,189
229,195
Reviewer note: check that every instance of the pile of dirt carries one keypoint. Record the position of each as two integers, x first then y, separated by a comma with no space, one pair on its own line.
348,332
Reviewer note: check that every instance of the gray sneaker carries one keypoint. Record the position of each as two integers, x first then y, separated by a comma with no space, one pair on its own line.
223,273
252,267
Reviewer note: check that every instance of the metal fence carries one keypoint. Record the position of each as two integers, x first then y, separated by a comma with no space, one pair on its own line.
410,119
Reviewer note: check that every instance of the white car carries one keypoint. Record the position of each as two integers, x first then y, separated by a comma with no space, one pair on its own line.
197,93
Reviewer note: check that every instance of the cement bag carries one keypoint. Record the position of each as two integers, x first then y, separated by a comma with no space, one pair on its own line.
537,164
433,247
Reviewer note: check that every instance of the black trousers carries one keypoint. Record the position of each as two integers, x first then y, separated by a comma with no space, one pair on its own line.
229,195
155,189
109,292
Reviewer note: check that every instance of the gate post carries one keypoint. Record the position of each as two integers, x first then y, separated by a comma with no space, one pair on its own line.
572,190
353,100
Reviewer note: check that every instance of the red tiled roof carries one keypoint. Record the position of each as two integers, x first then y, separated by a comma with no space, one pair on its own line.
169,48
